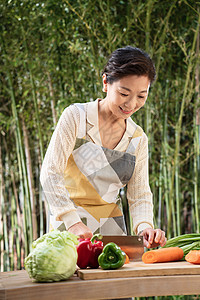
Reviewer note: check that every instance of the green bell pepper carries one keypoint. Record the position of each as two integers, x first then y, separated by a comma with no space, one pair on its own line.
112,257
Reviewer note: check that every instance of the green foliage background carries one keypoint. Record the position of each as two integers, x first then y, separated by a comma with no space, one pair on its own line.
52,55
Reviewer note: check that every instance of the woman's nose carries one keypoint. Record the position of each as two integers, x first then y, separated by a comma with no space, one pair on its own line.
130,104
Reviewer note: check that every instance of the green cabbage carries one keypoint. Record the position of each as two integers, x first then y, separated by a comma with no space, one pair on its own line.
53,257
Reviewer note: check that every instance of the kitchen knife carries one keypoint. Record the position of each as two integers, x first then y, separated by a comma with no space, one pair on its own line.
131,245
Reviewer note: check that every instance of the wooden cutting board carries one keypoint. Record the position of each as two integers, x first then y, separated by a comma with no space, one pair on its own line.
140,269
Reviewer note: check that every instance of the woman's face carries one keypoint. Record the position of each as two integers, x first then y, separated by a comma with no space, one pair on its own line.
127,95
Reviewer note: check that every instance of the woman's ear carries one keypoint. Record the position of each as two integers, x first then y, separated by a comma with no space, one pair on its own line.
104,83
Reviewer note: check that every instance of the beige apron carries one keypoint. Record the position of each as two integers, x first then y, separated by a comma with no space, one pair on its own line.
93,176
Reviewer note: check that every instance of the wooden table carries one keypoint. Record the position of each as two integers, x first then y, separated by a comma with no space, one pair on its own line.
17,285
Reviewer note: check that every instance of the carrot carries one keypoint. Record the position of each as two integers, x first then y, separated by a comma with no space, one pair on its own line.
127,259
193,257
162,255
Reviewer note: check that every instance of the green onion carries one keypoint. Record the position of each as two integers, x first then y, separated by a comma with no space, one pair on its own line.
186,241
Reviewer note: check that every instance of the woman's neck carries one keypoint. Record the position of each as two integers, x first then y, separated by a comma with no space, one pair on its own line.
111,129
106,114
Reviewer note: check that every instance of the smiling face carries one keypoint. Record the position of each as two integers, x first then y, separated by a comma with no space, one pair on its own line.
127,95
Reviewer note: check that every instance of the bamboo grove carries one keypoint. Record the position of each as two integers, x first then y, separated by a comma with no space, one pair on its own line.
52,55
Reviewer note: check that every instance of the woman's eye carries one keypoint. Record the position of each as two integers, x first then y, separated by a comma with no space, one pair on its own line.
141,97
124,95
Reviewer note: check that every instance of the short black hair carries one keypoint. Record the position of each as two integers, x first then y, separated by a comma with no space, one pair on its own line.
129,61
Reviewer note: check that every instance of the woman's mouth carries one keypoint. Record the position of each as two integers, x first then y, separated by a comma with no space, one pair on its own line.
125,111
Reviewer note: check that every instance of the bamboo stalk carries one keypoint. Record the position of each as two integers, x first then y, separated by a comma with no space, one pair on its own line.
18,224
196,204
174,219
148,22
166,196
19,245
196,120
160,188
1,209
5,213
147,48
12,234
42,207
177,224
37,115
30,180
165,147
6,263
22,200
52,97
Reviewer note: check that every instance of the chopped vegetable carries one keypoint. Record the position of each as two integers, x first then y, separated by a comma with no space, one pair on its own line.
162,255
187,242
127,259
88,252
53,257
112,257
193,257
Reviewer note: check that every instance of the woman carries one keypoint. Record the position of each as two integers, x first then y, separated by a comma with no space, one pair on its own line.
97,149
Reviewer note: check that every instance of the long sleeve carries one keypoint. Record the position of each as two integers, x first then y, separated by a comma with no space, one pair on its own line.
138,190
54,165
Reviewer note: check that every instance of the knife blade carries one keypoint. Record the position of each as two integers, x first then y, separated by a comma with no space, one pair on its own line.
131,245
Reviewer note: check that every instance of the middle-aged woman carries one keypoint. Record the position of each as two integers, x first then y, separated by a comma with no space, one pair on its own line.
96,149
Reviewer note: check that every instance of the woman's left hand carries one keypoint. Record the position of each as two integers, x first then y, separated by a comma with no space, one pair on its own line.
153,237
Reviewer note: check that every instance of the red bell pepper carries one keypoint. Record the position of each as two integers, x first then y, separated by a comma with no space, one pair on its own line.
88,252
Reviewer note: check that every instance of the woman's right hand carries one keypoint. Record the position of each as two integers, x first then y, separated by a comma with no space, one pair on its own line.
80,230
